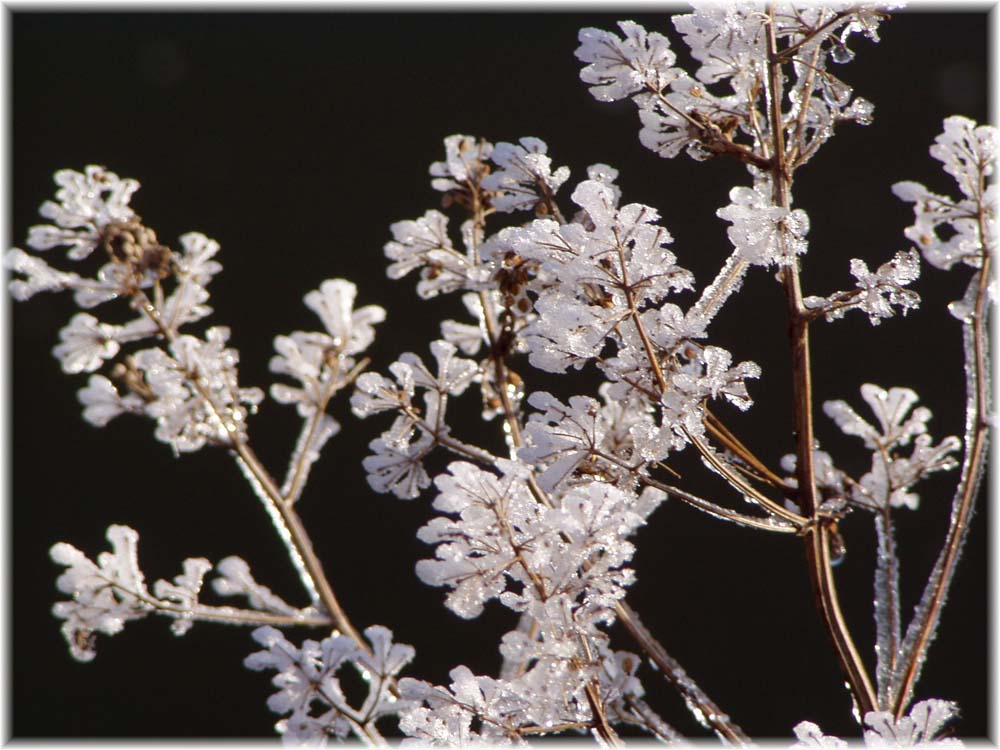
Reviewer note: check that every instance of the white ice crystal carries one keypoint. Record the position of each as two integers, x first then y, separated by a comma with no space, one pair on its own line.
235,579
397,465
321,362
879,291
103,596
85,343
102,402
194,394
592,276
424,244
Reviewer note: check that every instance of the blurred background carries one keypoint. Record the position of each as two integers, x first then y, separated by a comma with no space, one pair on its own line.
295,140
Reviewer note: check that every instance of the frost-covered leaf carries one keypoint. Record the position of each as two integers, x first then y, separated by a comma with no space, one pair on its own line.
810,736
464,163
85,342
87,202
375,393
397,466
453,375
235,579
178,386
184,591
920,729
763,233
879,291
524,178
892,473
309,685
968,153
103,595
102,402
424,244
618,67
351,331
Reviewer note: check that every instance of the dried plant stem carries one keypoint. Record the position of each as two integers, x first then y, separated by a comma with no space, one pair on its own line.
718,511
300,463
301,542
227,615
817,533
973,463
675,674
730,442
297,537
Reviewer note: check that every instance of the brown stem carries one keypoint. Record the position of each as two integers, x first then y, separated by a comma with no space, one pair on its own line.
717,429
298,537
817,535
972,470
675,674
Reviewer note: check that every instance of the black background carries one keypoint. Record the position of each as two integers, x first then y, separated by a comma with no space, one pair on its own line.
295,140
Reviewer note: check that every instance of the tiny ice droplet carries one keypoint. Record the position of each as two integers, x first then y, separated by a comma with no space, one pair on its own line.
840,53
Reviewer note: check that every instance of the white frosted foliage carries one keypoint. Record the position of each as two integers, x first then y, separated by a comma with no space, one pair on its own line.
620,66
879,291
308,683
968,153
523,178
762,233
921,728
892,473
103,595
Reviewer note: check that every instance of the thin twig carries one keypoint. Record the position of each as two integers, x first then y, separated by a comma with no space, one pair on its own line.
719,722
298,538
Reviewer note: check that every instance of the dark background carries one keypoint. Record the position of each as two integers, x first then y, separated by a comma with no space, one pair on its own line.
295,140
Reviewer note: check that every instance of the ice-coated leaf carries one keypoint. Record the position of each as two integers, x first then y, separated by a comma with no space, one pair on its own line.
103,595
179,384
763,233
424,244
397,466
235,579
184,591
87,202
618,67
351,331
523,178
85,343
810,736
920,729
892,474
968,153
102,402
465,163
878,291
309,685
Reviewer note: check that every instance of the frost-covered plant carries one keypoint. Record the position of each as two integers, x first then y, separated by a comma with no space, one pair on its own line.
564,277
